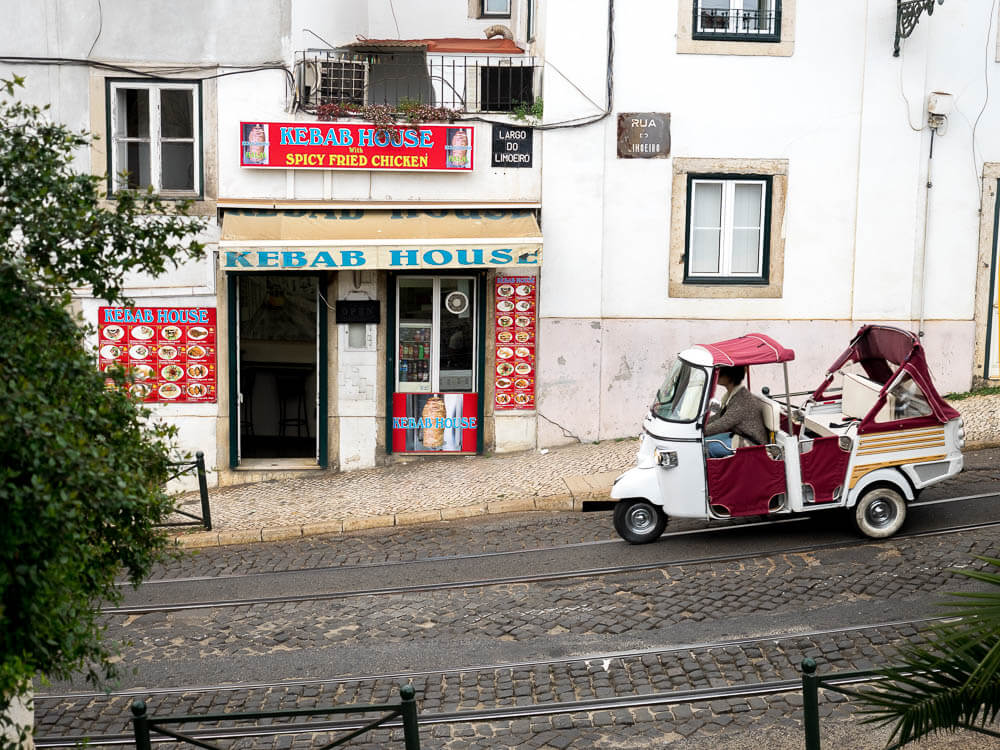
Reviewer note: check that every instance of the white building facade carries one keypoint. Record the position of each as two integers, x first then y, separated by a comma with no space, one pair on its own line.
794,200
711,167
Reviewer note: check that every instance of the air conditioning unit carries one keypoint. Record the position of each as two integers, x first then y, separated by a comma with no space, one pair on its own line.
328,80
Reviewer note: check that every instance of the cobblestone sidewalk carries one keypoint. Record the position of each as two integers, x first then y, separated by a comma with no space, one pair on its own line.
442,489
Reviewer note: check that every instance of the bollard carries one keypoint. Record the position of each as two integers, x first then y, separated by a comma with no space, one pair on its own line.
810,703
206,512
408,704
141,723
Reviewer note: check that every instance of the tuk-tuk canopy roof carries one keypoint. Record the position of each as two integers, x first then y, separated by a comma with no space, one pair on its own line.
882,351
752,349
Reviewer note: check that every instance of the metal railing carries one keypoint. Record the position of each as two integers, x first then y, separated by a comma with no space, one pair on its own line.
469,83
198,467
736,24
145,725
837,682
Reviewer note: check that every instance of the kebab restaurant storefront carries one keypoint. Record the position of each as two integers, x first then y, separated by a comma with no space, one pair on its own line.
359,330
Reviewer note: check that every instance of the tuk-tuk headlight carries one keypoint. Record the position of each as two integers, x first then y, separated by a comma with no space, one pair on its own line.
666,459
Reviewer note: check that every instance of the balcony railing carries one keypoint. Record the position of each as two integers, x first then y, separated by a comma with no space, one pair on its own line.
736,25
470,83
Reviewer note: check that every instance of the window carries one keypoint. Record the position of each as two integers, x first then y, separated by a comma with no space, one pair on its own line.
751,20
726,236
504,88
736,27
343,81
727,228
155,137
436,331
495,9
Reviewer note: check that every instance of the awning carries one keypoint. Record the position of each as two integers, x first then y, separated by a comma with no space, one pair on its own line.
401,239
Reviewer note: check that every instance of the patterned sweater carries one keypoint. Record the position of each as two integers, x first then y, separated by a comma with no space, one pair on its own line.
741,414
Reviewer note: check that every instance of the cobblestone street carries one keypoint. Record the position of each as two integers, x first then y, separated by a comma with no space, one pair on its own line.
669,631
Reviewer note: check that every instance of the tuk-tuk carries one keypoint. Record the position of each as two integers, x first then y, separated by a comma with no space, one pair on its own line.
867,440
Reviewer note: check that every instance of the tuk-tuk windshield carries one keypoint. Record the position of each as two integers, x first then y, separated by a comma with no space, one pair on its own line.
679,398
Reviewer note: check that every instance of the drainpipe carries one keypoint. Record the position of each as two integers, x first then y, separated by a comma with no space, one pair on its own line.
923,242
938,107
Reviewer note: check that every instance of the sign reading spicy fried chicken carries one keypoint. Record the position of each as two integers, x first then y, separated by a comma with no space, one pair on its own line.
360,146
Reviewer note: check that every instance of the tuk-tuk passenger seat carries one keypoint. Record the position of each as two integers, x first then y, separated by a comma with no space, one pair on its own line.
771,411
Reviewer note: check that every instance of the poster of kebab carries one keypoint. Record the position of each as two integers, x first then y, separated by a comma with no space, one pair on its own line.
170,351
516,314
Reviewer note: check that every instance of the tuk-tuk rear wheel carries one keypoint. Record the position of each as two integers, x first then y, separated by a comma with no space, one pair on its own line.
880,512
639,521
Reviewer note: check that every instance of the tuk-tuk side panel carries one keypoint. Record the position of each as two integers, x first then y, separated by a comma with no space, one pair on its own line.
882,450
824,469
744,484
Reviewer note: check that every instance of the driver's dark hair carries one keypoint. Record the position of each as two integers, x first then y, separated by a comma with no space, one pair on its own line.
735,374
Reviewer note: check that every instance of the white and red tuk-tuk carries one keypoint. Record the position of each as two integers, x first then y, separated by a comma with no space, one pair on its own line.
868,445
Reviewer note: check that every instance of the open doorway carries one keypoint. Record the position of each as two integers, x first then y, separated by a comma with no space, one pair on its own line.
278,366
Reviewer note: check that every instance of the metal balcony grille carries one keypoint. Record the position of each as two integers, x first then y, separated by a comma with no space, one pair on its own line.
470,83
342,80
762,24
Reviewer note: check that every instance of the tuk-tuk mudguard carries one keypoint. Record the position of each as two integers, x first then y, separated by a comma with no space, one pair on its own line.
885,476
638,482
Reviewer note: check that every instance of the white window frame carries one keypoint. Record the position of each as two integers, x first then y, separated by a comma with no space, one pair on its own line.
727,228
735,14
155,139
484,13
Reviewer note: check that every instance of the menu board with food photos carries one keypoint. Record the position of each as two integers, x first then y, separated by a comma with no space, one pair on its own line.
516,314
170,351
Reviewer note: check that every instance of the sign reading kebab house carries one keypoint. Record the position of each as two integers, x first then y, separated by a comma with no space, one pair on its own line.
360,146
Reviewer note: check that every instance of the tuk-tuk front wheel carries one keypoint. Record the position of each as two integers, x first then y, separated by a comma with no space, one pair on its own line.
880,512
639,521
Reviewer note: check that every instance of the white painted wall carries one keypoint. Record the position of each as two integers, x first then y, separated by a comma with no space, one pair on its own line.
854,219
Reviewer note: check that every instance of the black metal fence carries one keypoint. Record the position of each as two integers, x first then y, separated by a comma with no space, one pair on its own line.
145,725
838,682
760,25
198,467
470,83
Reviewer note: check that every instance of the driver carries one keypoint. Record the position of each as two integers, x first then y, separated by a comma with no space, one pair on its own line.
740,415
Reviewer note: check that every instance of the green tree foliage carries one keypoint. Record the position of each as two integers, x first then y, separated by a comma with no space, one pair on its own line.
82,468
952,680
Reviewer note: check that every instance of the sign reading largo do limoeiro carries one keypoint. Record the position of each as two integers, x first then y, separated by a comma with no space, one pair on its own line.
357,146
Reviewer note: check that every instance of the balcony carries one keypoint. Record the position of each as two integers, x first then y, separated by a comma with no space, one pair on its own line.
736,25
406,74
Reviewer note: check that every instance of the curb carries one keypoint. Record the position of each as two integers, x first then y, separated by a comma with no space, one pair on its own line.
560,502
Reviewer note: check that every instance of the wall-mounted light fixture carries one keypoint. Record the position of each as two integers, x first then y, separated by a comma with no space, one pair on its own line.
907,14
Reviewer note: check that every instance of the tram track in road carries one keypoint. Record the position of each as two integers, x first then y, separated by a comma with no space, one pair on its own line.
634,661
589,657
528,578
722,527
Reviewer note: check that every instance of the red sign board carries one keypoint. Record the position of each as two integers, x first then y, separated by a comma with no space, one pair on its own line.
171,351
358,146
434,422
514,381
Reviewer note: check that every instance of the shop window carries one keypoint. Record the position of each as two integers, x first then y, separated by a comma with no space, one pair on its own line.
436,334
154,135
737,20
727,238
